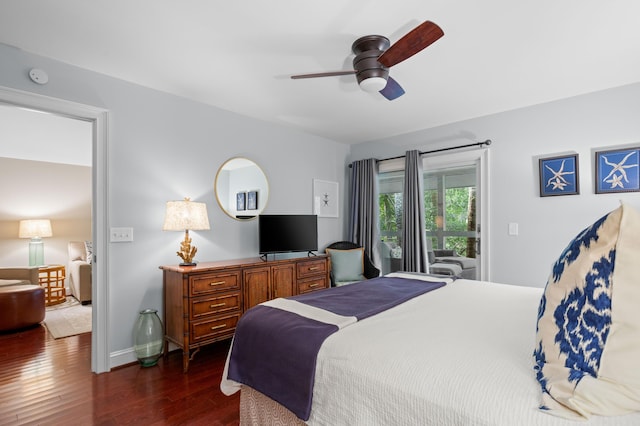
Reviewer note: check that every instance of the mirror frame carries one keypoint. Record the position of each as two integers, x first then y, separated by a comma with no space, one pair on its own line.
261,200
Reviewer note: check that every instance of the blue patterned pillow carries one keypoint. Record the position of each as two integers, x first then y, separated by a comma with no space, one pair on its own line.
588,332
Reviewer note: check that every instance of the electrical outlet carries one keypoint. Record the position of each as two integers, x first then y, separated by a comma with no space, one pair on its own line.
121,235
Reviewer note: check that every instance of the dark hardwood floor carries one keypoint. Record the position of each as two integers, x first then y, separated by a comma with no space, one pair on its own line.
44,381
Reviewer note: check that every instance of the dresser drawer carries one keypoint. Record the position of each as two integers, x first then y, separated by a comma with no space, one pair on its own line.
204,306
211,283
311,284
312,267
213,328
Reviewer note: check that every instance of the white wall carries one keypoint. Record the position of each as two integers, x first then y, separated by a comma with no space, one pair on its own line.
581,124
162,148
32,135
43,190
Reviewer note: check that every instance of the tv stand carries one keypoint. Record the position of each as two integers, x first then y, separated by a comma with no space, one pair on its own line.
265,256
203,303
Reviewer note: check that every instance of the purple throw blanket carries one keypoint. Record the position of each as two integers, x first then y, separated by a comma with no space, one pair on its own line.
275,351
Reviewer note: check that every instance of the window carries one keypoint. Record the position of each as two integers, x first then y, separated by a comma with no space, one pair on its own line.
450,209
450,212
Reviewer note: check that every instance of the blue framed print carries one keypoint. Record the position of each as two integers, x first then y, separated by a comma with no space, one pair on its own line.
617,171
241,199
559,175
252,200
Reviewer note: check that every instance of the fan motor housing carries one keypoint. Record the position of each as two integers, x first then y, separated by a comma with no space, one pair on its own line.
368,49
370,42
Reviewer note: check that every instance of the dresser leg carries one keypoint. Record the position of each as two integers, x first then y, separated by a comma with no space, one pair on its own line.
185,360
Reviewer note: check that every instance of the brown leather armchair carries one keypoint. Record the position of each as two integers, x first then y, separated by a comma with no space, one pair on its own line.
22,300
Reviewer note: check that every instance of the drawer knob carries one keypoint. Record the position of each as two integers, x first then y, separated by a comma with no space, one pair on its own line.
314,268
314,285
217,327
217,305
216,283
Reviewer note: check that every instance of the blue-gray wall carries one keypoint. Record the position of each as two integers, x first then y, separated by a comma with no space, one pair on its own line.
161,148
546,225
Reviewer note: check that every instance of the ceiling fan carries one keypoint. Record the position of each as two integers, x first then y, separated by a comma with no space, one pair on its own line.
375,55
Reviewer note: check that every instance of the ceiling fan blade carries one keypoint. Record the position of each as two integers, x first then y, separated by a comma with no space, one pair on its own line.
323,74
413,42
392,90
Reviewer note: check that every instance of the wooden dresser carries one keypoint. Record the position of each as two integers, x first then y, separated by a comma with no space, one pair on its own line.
203,303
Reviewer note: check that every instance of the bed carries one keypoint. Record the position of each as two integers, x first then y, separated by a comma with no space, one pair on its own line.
458,355
454,352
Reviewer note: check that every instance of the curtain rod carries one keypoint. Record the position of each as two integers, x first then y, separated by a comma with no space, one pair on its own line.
487,142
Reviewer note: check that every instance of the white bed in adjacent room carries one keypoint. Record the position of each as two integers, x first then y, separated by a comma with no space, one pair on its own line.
459,355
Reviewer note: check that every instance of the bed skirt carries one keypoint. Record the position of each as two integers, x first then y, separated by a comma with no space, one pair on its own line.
257,409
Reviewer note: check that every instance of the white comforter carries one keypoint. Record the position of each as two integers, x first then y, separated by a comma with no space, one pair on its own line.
460,355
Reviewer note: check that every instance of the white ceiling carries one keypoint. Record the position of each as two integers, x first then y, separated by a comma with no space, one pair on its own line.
496,55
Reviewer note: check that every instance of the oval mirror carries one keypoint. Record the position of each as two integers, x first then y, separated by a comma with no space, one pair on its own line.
241,188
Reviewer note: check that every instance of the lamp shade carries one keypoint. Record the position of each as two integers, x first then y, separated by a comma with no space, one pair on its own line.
185,215
35,228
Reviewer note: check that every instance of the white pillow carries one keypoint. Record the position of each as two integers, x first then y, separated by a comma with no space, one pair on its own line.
588,334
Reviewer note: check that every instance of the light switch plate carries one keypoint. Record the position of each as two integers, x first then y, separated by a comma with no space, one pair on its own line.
513,228
121,235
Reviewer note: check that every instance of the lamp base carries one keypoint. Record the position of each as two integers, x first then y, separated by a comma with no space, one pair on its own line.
187,251
36,252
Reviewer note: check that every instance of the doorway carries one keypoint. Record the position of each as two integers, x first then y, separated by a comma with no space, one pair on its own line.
456,208
98,119
450,210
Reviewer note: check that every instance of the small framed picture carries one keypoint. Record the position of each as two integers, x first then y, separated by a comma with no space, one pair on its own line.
559,175
252,200
617,170
325,198
241,201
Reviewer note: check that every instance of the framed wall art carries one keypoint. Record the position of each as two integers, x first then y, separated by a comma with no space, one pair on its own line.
325,198
241,198
252,200
559,175
617,170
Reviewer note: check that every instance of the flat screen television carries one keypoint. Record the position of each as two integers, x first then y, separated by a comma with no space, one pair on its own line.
284,233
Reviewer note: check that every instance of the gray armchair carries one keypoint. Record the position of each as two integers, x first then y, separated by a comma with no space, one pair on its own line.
79,271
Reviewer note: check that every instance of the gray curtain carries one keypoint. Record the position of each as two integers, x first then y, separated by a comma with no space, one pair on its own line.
414,240
363,222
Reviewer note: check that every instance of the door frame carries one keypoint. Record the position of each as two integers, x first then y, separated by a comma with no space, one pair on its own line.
99,203
479,157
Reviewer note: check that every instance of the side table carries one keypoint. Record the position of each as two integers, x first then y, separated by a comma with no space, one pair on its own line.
52,280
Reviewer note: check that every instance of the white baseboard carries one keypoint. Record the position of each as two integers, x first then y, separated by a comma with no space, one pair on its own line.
128,356
122,357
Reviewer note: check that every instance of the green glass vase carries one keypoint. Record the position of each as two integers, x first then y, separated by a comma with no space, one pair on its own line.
148,336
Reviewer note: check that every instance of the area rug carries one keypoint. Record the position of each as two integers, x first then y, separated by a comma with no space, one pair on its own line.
68,319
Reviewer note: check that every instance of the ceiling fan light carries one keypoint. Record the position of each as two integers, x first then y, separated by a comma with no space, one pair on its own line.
373,84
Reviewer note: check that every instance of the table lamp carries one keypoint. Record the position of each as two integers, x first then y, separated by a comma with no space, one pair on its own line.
36,229
184,216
